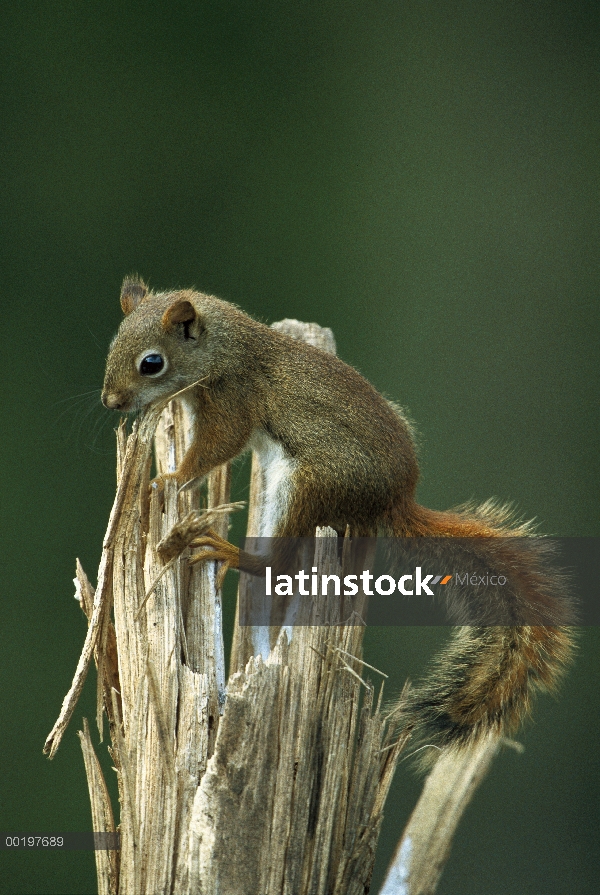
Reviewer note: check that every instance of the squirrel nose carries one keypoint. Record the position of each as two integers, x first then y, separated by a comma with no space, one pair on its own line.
113,402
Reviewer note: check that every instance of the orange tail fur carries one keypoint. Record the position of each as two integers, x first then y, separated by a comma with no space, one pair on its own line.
484,680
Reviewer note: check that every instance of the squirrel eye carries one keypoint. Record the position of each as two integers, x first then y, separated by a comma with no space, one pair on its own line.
151,364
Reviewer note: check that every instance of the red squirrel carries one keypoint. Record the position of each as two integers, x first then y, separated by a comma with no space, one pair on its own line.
338,454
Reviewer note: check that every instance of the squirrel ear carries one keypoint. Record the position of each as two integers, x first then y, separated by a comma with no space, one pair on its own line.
133,292
181,311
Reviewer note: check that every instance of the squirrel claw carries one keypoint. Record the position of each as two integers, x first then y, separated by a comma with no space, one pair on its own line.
221,575
157,485
219,550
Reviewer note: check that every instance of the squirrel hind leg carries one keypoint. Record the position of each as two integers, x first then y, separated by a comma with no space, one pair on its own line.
483,682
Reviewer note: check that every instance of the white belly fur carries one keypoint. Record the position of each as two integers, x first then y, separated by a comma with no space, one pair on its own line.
277,469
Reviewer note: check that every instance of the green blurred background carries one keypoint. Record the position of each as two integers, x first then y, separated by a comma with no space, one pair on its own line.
420,176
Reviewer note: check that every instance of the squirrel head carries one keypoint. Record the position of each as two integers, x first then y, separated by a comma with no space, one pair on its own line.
166,342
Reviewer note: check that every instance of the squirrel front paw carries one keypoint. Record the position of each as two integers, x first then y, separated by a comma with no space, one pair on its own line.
157,484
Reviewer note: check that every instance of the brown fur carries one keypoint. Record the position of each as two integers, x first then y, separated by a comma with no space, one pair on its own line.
355,464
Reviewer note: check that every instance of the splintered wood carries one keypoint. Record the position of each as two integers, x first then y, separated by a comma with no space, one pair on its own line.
273,784
292,799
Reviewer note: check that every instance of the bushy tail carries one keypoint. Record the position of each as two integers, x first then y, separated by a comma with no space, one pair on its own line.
484,679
